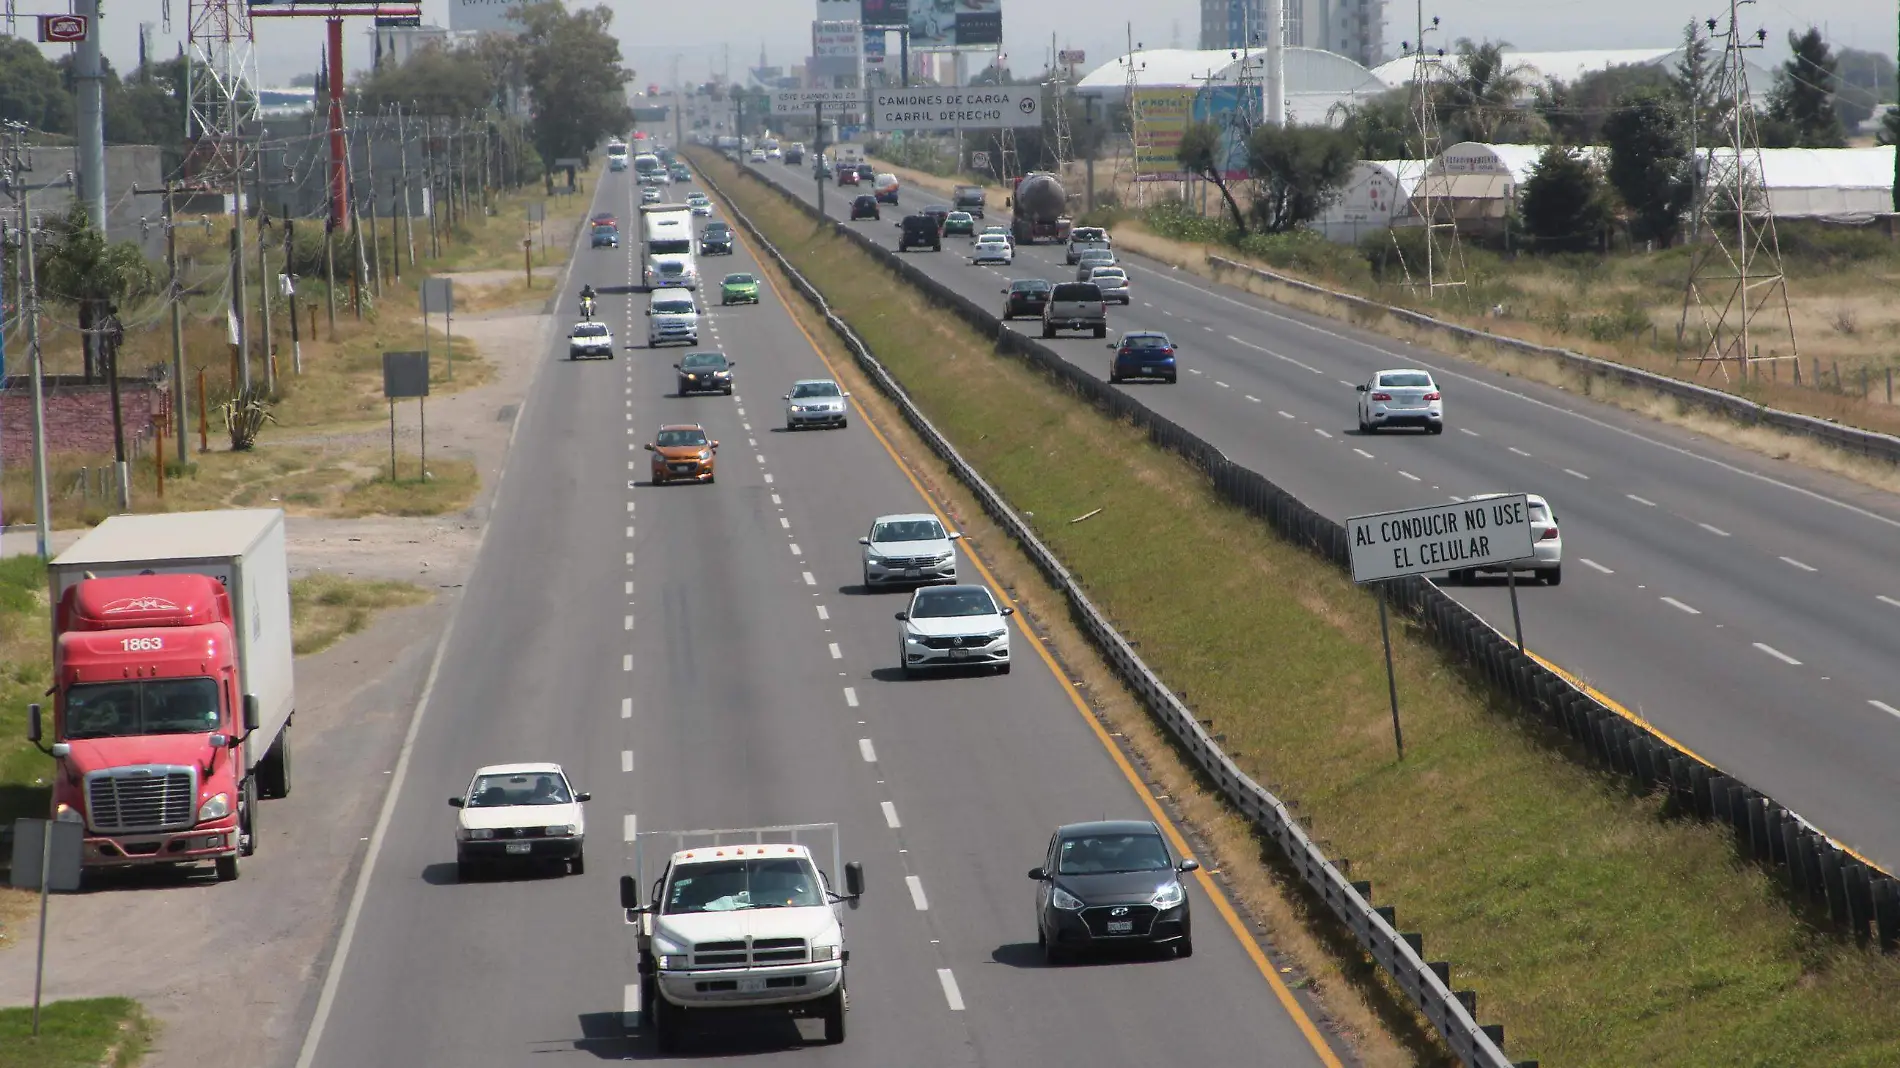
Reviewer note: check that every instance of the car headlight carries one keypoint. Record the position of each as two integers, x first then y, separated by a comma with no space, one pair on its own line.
692,378
1064,900
705,454
1168,896
215,807
481,832
824,953
560,830
913,637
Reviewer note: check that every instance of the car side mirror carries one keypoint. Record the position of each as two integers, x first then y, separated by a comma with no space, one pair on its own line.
787,396
1113,345
1361,387
629,893
250,712
901,615
1004,292
714,445
649,312
847,393
455,802
1038,874
864,541
648,446
1008,611
956,535
854,879
676,367
1188,865
33,724
583,796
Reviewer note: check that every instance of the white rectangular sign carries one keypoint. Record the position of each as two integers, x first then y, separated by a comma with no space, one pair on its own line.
802,101
836,40
1440,537
947,107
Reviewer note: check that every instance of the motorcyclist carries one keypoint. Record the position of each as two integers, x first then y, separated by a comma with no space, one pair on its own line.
587,301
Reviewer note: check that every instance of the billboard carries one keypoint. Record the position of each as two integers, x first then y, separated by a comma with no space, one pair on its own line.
835,39
874,42
482,15
1165,115
940,25
891,13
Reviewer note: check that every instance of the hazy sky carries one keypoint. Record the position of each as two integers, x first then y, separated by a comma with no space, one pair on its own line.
653,31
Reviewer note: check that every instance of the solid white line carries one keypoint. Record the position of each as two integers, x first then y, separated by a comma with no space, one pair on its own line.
866,751
626,760
1885,707
809,580
1645,502
1778,654
1587,562
1410,475
836,654
1717,531
626,708
890,814
1518,451
1889,600
1673,603
784,522
629,827
1363,453
1792,562
851,696
626,662
1573,473
950,992
822,614
1322,433
917,893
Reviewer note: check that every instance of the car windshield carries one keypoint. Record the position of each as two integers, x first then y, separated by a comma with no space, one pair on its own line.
1145,341
1409,380
1100,854
1112,274
131,708
730,885
590,330
949,603
814,389
673,307
680,439
717,230
907,530
740,280
519,788
697,360
959,216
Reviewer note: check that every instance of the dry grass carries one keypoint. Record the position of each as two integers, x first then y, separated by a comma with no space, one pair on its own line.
328,608
1597,931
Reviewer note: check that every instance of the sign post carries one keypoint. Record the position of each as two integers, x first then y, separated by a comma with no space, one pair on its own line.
1438,537
438,295
45,858
406,374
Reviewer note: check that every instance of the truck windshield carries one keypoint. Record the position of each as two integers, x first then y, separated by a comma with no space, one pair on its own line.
728,885
132,708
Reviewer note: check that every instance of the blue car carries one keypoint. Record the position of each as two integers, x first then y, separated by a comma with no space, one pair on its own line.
1143,354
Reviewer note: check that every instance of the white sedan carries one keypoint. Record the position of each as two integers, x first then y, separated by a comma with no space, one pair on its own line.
524,813
1547,545
992,250
650,194
1404,397
590,339
953,626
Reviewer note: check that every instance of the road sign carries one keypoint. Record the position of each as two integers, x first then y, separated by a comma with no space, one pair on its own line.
30,848
438,296
1440,537
405,374
980,161
1071,57
948,107
62,29
802,101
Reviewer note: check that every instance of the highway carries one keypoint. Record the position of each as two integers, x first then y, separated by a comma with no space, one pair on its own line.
1748,608
701,656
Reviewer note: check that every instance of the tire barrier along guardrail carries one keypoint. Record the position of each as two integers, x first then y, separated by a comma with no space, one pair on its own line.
1740,409
1425,983
1842,889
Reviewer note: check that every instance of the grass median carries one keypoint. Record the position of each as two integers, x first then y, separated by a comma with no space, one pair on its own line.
88,1033
1597,931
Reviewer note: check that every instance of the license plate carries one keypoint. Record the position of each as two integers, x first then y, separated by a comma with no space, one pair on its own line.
520,847
751,986
1147,370
959,654
1121,926
913,572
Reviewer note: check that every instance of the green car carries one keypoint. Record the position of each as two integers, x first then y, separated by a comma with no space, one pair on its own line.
959,222
739,289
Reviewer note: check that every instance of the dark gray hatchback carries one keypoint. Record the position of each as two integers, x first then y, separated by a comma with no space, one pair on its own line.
1111,883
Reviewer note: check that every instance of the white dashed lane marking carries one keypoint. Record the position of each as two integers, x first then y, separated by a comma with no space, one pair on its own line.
1673,603
1592,564
1717,531
917,892
1778,654
1645,502
822,613
626,760
890,814
1574,473
626,708
867,751
1792,562
836,653
1883,598
1518,451
629,827
1885,707
850,697
810,580
950,992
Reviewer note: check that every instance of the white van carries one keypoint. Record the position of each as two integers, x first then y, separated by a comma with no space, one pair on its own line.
672,315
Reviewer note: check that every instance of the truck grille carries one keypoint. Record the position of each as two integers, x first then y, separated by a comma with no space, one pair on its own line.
737,954
146,798
1099,917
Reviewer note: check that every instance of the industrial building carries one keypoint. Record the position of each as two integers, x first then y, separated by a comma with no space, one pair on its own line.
1319,83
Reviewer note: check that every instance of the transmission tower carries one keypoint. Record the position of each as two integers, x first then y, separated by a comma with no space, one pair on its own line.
1735,275
221,87
1131,89
1006,162
1444,258
1061,76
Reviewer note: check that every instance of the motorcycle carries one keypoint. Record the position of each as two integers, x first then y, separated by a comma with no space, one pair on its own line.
587,308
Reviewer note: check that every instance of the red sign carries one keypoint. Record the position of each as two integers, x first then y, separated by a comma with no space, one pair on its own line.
62,29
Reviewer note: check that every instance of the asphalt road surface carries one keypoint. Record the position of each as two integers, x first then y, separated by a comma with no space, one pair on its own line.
701,656
1748,608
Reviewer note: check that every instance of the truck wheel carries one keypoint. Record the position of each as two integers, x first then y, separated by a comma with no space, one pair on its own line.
247,817
578,865
227,868
273,774
666,1025
832,1013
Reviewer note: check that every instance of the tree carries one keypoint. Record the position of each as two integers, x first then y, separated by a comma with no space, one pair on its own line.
1383,127
1299,171
1649,163
31,90
1577,111
573,71
433,81
1890,135
1203,153
1565,209
1801,111
1866,81
1483,94
78,267
1695,86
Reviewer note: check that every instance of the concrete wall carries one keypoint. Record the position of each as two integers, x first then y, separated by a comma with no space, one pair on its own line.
127,167
78,416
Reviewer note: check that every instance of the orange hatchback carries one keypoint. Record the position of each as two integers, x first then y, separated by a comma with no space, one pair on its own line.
682,452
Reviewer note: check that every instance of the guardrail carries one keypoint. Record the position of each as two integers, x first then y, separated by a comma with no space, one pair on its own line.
1400,954
1842,889
1740,409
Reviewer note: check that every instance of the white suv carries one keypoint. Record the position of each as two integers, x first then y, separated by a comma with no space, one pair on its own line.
1547,545
909,549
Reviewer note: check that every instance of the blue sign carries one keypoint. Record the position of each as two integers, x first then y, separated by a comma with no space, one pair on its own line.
1235,111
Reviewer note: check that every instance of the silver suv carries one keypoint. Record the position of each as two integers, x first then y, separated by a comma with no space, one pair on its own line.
910,549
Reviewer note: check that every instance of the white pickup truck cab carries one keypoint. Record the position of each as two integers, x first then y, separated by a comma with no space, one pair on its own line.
748,923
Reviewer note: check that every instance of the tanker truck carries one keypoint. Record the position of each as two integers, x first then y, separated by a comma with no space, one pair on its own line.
1039,209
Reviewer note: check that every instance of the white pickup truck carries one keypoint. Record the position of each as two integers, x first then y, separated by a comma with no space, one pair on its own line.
738,921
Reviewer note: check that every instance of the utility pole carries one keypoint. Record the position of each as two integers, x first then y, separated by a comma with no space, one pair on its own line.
176,297
375,232
429,183
263,277
359,268
30,304
290,297
408,215
89,72
237,278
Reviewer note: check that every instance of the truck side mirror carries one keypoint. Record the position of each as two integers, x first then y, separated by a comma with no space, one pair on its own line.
854,879
33,724
250,712
629,893
219,741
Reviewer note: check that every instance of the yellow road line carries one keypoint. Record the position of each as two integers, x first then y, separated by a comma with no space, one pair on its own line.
1214,894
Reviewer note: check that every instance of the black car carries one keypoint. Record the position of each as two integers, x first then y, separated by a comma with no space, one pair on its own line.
704,372
715,240
866,173
1111,883
865,207
921,231
939,212
1027,296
